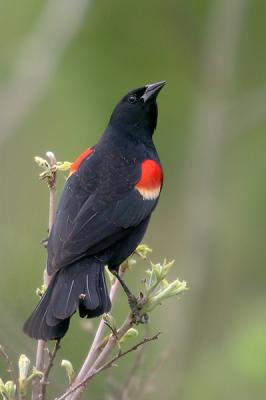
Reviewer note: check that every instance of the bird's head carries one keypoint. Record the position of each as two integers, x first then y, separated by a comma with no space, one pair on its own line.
137,110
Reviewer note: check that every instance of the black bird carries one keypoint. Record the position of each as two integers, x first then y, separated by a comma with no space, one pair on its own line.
102,216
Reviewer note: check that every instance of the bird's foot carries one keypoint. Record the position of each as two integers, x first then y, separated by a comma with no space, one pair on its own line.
135,306
135,303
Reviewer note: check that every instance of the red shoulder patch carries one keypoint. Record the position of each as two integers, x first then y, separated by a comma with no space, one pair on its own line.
149,185
75,165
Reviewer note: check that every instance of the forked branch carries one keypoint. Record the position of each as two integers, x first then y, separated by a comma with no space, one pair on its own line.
108,364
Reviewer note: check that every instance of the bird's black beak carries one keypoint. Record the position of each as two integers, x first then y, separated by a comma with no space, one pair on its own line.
152,90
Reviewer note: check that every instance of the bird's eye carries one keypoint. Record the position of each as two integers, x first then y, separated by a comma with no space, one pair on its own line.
132,98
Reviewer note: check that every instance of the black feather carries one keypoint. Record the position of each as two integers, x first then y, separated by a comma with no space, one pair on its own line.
81,285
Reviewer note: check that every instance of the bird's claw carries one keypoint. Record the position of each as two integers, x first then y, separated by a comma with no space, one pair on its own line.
135,307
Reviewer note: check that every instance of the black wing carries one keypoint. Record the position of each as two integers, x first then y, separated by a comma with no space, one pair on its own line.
98,208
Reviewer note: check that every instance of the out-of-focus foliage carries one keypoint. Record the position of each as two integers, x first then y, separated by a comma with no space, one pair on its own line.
211,217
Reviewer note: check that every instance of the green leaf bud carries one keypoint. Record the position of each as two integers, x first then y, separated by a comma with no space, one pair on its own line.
131,333
69,370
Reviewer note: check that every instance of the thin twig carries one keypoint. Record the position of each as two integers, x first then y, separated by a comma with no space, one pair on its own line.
108,364
10,368
36,384
52,188
44,380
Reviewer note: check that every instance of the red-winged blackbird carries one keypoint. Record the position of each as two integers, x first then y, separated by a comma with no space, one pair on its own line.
102,216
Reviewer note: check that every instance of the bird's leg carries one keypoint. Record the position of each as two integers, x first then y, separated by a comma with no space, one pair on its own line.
132,300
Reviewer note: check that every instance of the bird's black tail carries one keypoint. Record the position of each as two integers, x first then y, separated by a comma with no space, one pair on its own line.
81,285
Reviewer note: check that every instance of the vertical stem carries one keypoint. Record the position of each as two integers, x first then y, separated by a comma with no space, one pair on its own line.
52,355
52,206
36,384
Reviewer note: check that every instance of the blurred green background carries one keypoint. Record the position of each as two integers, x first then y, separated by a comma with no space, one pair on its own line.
63,67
